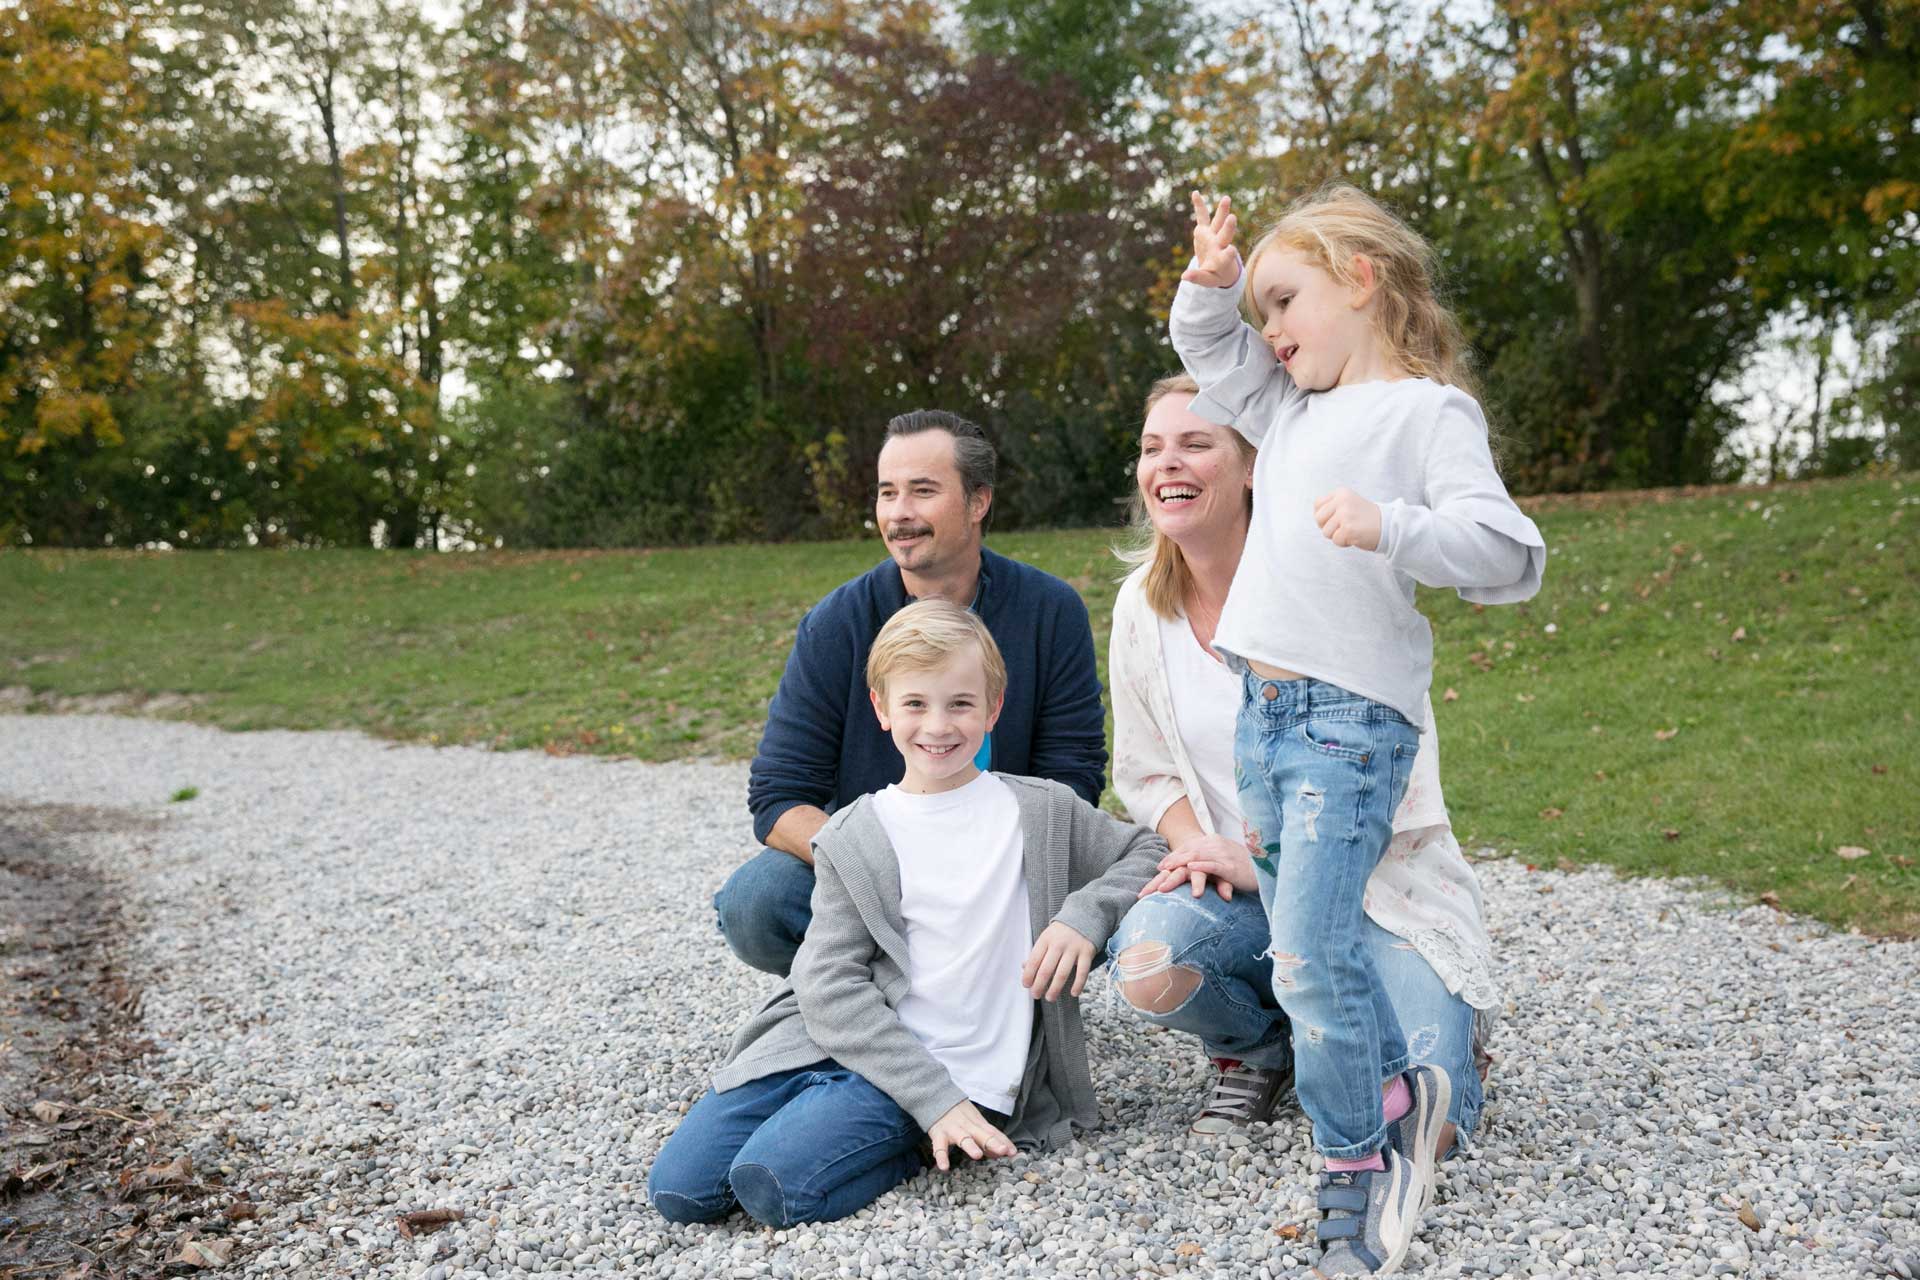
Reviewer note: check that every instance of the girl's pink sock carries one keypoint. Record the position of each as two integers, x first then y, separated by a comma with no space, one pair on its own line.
1374,1161
1395,1101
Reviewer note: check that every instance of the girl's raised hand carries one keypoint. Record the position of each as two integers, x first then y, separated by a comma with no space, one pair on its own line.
1216,263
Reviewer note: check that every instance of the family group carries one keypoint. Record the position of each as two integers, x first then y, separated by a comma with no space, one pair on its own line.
938,881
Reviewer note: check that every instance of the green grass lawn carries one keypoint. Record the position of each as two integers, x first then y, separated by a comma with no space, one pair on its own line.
1719,684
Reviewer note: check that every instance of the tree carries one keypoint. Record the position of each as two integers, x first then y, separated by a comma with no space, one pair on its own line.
76,229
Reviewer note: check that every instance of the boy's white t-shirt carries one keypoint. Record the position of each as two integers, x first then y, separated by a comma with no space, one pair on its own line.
1206,705
963,896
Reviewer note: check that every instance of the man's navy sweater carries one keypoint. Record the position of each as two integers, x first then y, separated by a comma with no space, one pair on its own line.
824,746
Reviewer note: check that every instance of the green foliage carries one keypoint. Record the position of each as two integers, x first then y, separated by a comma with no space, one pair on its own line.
287,272
1114,52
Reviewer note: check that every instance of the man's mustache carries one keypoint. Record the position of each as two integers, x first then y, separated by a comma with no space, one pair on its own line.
908,530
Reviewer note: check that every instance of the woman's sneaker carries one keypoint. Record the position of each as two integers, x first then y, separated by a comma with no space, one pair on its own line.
1416,1135
1242,1094
1367,1218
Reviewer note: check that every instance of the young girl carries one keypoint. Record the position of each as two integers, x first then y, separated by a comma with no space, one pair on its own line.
1374,473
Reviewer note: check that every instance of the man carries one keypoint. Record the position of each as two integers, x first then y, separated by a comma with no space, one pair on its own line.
823,746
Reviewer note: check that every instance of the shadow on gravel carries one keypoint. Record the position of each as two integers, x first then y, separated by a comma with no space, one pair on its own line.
91,1185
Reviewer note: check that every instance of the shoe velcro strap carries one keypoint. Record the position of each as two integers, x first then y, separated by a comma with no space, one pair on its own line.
1352,1199
1337,1229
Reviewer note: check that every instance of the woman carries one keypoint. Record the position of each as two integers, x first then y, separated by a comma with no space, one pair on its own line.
1193,953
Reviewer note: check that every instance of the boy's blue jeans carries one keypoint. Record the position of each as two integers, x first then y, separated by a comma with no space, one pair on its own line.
1224,941
1320,773
808,1145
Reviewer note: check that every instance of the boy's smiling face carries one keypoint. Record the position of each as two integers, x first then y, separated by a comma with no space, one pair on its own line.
938,717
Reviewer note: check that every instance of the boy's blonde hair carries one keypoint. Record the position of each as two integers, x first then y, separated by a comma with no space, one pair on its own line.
1168,576
1333,225
928,634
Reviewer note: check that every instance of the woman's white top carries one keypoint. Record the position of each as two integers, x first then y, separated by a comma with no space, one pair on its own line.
1414,447
963,897
1422,891
1206,705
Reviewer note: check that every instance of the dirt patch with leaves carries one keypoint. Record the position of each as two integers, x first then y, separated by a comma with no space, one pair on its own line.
94,1182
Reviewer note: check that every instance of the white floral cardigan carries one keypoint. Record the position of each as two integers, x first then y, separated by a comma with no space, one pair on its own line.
1422,891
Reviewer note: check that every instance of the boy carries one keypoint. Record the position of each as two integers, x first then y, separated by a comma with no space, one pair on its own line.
943,907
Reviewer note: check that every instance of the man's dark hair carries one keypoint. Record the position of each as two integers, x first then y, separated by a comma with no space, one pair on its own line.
973,453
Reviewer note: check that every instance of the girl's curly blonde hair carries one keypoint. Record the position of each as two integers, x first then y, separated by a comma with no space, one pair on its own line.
1333,225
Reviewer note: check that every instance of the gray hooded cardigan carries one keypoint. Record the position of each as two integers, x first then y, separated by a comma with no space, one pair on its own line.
1083,869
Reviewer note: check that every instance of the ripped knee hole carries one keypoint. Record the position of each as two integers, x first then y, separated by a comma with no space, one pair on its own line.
1150,981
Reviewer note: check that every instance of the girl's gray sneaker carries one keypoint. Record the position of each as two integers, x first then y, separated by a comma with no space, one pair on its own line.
1416,1135
1367,1218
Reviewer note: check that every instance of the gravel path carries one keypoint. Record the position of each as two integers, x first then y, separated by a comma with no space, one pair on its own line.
388,978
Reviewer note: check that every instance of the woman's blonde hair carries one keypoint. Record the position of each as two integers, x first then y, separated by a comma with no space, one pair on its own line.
1337,223
1168,577
929,634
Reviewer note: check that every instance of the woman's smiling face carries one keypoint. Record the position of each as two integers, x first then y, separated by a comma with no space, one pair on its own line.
1193,475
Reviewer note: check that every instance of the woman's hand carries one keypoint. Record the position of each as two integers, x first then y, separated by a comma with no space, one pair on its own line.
1059,953
1216,263
964,1127
1204,858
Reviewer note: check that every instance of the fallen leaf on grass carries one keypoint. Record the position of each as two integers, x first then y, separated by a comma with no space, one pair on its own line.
47,1112
1848,883
1453,695
203,1253
1523,697
1739,634
177,1172
1771,898
1599,775
1550,813
425,1220
1852,852
1879,770
1661,735
1671,833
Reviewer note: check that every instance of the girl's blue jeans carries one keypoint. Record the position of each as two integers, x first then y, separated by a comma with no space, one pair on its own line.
1320,772
1224,943
808,1145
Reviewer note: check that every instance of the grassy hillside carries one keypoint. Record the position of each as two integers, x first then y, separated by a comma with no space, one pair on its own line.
1719,683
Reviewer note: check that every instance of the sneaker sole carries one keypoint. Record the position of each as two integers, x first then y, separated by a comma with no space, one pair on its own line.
1394,1227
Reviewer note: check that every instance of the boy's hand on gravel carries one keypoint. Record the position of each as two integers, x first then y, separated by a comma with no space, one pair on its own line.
964,1127
1216,263
1348,520
1058,954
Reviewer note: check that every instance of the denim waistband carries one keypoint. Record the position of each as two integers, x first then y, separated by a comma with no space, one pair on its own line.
1293,699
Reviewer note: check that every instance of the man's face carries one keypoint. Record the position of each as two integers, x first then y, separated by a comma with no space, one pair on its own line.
926,521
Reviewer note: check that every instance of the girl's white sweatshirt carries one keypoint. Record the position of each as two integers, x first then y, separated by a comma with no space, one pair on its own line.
1413,446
